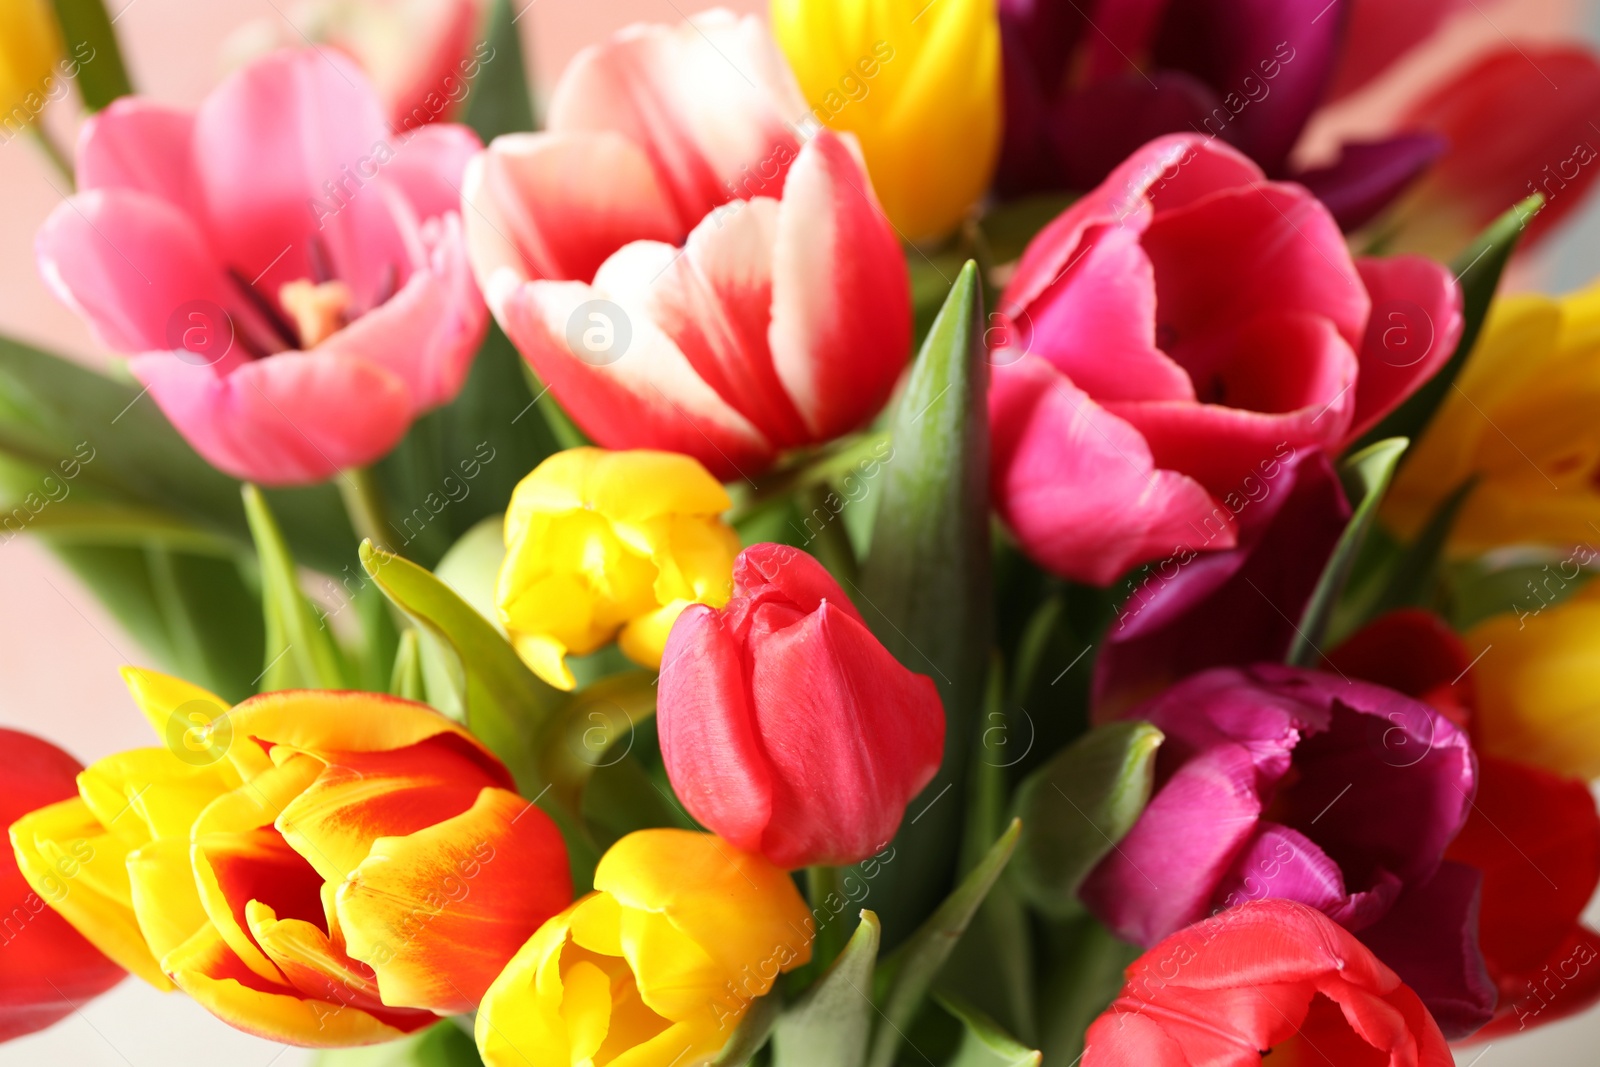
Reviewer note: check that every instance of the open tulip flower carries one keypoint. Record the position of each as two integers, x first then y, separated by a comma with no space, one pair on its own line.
610,545
656,967
50,970
292,284
679,266
320,868
1201,996
1179,328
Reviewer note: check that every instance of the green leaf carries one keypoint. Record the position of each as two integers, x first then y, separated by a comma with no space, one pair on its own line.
1478,269
1076,808
595,727
904,980
1479,591
500,101
751,1033
406,679
1366,476
1413,575
444,1045
984,1043
925,585
1085,975
830,1024
300,651
91,46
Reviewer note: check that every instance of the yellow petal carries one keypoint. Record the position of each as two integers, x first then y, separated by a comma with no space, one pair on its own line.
149,793
161,698
519,1022
586,1008
546,657
29,48
166,902
79,870
645,639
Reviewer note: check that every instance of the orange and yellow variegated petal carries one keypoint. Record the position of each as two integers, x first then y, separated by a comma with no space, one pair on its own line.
146,793
438,913
743,910
324,721
166,901
160,697
232,869
260,801
519,1022
309,960
359,797
207,970
676,977
79,870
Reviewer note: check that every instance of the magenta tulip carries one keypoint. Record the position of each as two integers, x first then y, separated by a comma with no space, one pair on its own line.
682,268
1175,332
786,727
293,282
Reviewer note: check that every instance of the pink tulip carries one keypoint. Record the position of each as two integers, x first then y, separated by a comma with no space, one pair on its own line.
1175,330
682,267
293,282
786,727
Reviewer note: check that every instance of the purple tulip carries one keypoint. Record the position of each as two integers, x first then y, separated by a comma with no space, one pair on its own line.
1089,81
1298,785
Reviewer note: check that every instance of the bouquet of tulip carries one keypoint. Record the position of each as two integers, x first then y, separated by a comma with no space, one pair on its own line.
886,533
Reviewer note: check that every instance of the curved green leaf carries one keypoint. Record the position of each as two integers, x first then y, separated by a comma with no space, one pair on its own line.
301,653
444,1045
1076,808
983,1042
830,1024
91,46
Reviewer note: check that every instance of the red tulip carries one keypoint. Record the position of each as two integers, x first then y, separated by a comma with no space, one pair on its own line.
786,727
1269,975
683,271
46,968
1175,333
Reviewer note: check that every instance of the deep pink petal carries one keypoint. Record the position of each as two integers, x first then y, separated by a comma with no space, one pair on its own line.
289,419
709,742
766,573
130,263
709,100
429,332
557,205
430,165
1415,326
639,393
142,145
1078,485
841,297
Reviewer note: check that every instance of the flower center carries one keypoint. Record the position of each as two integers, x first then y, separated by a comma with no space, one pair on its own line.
317,310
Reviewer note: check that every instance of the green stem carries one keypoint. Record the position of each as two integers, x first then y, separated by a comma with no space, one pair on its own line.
364,503
822,882
53,152
831,542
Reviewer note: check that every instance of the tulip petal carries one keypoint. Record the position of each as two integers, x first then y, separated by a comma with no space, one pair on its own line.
128,263
593,193
1095,129
437,914
289,419
1078,485
1379,33
710,101
708,734
1368,176
166,900
836,251
140,145
1415,325
429,166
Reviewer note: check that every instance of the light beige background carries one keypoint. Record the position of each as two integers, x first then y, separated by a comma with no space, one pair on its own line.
59,652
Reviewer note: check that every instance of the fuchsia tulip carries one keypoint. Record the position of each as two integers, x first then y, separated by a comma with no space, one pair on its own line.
682,268
786,727
293,282
1172,334
1298,785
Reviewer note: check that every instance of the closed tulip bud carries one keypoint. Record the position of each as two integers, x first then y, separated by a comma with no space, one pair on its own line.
29,46
1536,674
1521,421
786,727
604,546
919,86
316,868
653,969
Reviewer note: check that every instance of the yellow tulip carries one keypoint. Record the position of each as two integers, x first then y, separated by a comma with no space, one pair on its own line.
1522,421
1538,684
316,868
918,83
604,546
30,44
656,967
